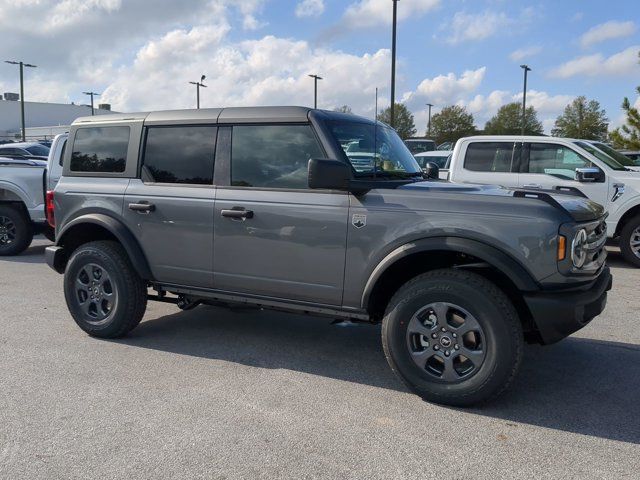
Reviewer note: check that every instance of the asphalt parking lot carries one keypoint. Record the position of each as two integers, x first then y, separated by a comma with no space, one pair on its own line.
219,394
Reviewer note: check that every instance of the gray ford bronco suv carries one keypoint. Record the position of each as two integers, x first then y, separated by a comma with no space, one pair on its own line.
322,213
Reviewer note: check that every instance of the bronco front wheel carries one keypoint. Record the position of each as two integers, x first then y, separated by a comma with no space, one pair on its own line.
453,337
104,293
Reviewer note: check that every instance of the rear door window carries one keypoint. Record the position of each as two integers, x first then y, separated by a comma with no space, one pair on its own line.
183,154
272,156
491,157
100,149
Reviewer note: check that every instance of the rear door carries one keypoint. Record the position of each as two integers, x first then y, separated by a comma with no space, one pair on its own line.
550,165
274,236
170,206
490,162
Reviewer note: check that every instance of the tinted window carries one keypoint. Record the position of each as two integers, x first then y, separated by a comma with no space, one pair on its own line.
489,157
64,147
556,160
272,156
100,149
12,151
38,150
180,154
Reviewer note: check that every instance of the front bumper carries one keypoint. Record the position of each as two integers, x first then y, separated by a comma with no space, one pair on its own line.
559,314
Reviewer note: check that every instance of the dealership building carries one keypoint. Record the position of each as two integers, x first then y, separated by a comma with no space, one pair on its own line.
42,120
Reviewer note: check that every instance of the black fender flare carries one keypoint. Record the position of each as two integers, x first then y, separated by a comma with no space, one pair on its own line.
503,262
118,230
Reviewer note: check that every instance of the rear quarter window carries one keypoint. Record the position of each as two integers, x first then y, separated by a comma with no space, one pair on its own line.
100,149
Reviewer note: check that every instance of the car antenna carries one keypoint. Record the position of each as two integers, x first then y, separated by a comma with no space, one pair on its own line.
375,135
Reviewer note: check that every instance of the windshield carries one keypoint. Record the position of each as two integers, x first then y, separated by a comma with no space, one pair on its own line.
38,150
617,156
603,157
374,151
419,146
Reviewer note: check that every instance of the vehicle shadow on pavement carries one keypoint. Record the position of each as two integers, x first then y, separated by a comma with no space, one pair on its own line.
33,254
615,259
579,385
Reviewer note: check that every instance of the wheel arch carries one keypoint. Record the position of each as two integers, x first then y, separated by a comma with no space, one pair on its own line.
420,256
632,212
98,226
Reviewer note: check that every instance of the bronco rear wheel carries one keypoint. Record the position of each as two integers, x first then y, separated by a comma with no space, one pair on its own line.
453,337
104,293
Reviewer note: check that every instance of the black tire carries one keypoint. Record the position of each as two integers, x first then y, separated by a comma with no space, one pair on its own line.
16,231
631,233
496,344
120,298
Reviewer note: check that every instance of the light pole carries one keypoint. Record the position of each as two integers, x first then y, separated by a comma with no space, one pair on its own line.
198,85
315,89
91,94
22,65
393,64
524,96
429,121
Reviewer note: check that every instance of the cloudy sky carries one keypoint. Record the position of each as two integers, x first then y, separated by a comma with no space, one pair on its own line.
141,53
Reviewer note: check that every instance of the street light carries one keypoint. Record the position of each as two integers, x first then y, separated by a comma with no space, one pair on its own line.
92,94
22,65
429,122
393,64
315,89
524,96
198,85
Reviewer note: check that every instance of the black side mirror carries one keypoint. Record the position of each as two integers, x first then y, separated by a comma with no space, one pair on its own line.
589,174
328,174
432,171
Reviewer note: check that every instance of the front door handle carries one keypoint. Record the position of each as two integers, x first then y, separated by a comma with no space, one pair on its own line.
532,185
237,213
142,207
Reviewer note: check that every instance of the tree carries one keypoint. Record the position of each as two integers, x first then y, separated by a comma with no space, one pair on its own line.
582,119
508,121
404,123
343,109
452,123
628,136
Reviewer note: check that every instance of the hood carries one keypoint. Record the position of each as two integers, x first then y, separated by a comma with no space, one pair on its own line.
580,209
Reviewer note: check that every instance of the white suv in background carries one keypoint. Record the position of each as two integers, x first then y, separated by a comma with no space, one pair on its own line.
549,163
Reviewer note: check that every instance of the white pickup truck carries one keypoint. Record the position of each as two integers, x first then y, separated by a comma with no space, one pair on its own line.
551,163
23,187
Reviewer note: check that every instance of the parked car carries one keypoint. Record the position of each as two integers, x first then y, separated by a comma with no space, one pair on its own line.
29,150
419,145
549,163
459,276
439,157
634,155
22,198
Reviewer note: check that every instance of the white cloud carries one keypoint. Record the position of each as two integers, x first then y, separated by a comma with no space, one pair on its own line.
368,13
607,31
447,89
310,8
467,26
621,63
526,52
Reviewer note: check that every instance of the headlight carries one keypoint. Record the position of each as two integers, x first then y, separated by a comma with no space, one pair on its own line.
579,249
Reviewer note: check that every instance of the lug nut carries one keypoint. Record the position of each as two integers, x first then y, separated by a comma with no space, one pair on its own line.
443,329
457,347
455,335
434,335
446,354
436,347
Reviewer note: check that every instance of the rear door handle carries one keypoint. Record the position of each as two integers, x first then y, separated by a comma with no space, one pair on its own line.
237,213
142,207
532,185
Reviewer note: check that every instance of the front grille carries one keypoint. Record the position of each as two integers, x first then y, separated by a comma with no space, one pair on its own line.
596,240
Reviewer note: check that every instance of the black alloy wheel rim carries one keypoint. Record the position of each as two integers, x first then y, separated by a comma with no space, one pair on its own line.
446,342
7,231
95,293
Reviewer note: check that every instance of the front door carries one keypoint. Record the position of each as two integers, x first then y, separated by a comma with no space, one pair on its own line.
551,165
170,208
274,236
